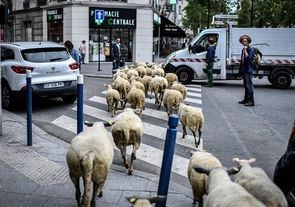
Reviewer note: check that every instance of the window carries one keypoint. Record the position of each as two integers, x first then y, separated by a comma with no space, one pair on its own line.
201,44
45,55
7,54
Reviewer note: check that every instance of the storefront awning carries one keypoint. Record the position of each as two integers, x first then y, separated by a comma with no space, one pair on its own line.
169,29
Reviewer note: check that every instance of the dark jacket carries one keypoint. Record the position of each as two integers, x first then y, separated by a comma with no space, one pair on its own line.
116,53
210,53
247,63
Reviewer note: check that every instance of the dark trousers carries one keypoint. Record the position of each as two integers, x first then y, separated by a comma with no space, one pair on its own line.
82,58
248,85
209,72
118,62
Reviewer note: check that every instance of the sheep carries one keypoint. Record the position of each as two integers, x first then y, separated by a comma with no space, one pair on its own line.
171,99
136,98
120,73
157,85
122,86
131,73
145,202
223,192
141,71
171,77
192,118
127,130
181,88
198,181
137,84
146,80
257,183
149,71
285,168
158,71
112,99
90,156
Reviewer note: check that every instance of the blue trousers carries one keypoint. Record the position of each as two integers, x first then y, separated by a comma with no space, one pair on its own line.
248,85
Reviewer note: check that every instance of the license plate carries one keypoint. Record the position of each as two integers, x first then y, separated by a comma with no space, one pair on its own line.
54,85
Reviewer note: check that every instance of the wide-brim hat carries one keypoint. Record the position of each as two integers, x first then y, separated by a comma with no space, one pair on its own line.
245,37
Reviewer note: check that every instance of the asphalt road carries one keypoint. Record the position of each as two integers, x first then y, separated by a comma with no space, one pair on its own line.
231,129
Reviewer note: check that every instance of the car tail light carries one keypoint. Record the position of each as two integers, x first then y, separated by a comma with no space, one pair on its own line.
74,66
21,69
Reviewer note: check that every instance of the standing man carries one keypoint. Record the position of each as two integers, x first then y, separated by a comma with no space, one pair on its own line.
116,53
210,60
82,50
246,70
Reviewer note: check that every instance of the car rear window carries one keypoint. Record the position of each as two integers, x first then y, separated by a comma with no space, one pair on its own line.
41,55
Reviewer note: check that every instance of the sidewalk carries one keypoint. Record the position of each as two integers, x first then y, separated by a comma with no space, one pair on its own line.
38,175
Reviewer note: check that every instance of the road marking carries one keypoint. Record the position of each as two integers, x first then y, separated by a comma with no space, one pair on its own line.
145,152
194,89
194,94
194,86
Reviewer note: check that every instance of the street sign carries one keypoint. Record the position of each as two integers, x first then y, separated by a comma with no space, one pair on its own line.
222,23
226,16
99,16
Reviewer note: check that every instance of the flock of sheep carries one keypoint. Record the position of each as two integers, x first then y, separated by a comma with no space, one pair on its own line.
91,152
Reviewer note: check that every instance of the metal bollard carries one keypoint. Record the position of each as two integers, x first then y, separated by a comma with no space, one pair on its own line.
167,158
29,107
79,104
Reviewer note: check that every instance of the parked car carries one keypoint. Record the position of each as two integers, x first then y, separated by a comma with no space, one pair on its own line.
54,71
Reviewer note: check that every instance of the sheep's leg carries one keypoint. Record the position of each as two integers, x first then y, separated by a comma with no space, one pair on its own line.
123,153
108,107
95,188
87,164
200,134
76,183
196,143
183,130
133,157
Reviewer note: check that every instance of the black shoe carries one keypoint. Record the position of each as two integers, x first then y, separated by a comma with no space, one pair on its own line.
208,85
242,102
249,103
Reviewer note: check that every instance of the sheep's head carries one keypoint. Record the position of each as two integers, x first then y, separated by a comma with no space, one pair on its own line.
241,162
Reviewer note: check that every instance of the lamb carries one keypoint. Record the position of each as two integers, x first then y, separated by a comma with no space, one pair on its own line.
199,181
127,130
285,169
192,118
112,99
136,98
223,192
171,77
122,86
90,156
257,183
171,99
181,88
157,85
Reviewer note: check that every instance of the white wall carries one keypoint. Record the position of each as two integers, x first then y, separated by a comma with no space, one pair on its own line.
144,36
138,1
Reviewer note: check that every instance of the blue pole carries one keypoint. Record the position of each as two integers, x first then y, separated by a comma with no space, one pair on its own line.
167,158
29,107
80,104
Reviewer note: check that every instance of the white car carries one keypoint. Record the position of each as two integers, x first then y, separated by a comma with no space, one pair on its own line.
54,71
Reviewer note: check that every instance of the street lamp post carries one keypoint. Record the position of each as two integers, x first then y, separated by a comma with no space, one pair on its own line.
209,8
252,13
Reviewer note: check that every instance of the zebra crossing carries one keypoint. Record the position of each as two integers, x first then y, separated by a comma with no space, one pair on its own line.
151,119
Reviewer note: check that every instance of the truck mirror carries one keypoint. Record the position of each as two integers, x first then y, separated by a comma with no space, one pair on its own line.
190,48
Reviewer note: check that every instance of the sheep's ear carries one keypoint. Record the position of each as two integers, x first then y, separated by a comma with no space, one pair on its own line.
87,123
233,170
132,199
201,170
157,199
108,124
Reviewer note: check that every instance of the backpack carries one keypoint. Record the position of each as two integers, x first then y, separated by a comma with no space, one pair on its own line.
257,57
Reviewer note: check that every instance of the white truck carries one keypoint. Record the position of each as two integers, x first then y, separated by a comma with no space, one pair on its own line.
277,46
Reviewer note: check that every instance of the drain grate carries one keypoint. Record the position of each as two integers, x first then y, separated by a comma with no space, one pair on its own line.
33,165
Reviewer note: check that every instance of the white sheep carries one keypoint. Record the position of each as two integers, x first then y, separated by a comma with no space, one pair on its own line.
199,181
171,100
257,183
158,71
136,98
90,156
223,192
122,86
145,202
157,85
137,84
127,130
131,73
171,77
181,88
112,99
146,80
141,71
192,118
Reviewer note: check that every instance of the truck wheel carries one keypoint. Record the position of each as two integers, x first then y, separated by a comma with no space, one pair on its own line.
270,79
282,80
184,75
8,99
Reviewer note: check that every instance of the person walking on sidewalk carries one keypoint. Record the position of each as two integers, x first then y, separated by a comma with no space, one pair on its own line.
246,70
73,52
210,60
82,50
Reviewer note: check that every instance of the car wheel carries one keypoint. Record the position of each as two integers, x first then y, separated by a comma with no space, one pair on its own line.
282,80
270,79
184,75
8,99
69,99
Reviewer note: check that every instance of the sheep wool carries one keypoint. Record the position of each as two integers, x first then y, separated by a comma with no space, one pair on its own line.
181,88
90,156
171,77
112,99
199,181
171,99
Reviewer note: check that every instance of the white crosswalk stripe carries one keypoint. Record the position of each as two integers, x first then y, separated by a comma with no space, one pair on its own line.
145,153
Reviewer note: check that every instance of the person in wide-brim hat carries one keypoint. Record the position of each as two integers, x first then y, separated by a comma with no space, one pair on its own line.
245,37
